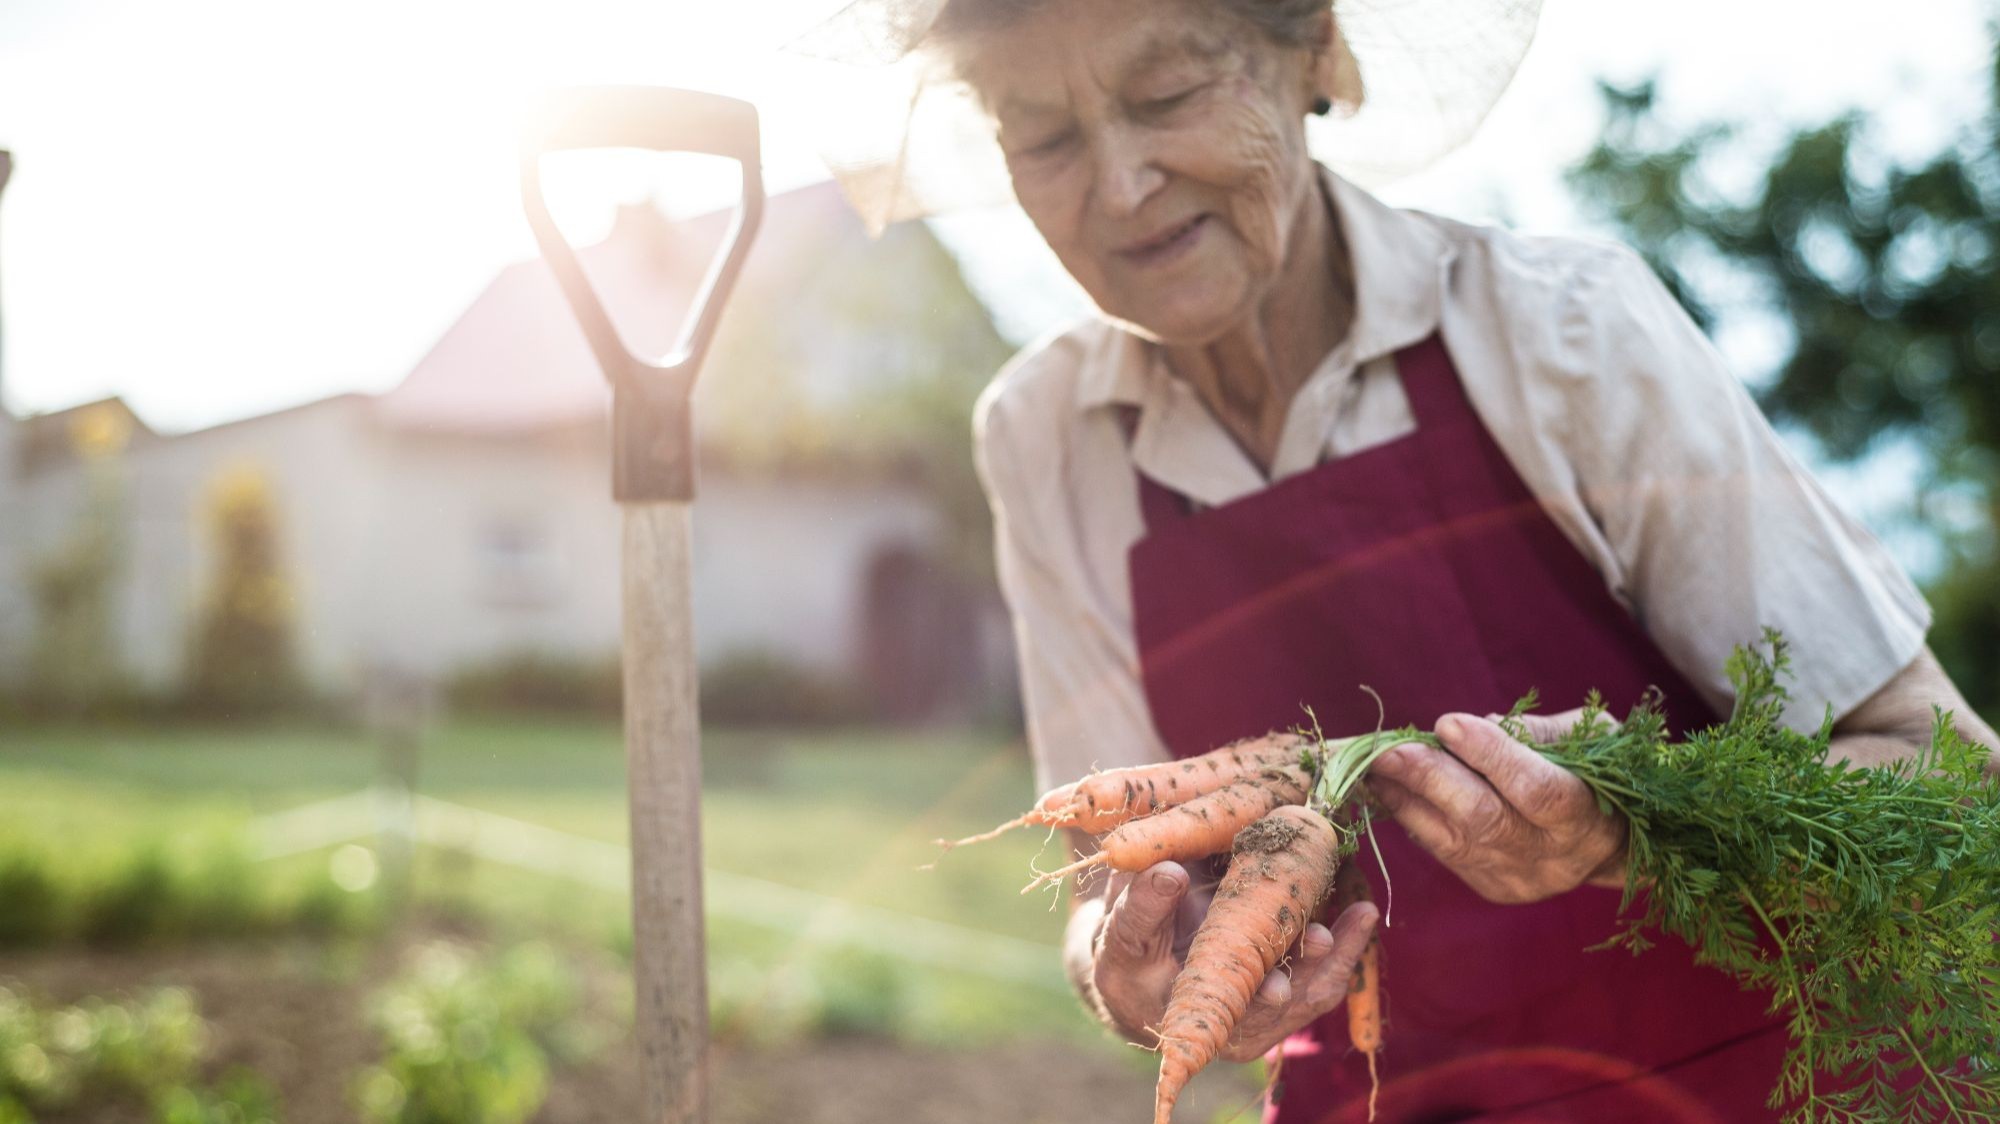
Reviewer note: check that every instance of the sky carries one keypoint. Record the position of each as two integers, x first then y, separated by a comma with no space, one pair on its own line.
222,207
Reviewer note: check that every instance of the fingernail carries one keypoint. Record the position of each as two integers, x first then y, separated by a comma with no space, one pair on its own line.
1165,883
1450,727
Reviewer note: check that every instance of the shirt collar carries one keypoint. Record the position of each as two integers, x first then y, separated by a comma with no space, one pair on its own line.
1398,258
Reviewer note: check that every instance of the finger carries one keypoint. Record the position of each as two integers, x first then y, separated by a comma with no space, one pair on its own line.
1140,926
1535,786
1313,989
1544,729
1306,952
1421,820
1348,939
1541,728
1441,779
1272,995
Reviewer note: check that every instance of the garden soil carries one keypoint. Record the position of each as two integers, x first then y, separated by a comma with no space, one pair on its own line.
295,1013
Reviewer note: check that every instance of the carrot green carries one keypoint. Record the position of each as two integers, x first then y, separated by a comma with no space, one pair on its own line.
1865,901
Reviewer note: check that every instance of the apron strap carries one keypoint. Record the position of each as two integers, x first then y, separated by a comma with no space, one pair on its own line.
1431,384
1159,505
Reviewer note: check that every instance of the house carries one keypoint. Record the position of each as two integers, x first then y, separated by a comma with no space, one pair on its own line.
465,516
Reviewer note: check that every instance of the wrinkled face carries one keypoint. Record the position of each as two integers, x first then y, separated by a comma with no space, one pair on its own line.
1159,147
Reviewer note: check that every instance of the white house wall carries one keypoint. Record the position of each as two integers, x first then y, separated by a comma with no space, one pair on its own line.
779,566
436,600
389,541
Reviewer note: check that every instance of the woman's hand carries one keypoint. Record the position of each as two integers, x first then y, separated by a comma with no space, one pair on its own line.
1514,825
1124,956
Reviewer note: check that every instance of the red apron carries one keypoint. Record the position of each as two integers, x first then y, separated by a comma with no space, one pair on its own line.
1426,569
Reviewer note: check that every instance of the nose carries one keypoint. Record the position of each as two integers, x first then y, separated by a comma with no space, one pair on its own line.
1125,173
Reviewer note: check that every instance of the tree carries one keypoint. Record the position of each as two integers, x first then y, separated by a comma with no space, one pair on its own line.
893,320
244,658
74,664
1887,276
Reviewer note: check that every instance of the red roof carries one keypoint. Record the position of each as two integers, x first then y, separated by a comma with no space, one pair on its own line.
516,360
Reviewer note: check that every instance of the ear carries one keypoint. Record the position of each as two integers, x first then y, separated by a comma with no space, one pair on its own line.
1334,74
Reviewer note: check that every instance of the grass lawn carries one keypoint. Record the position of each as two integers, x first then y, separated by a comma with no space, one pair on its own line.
845,817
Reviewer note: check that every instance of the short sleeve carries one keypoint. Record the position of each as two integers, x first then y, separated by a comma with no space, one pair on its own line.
1716,529
1080,683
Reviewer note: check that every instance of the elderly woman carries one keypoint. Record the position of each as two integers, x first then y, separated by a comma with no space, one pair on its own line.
1315,442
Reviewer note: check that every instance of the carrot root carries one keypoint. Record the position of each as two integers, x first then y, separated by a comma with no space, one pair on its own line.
1021,820
1097,859
1364,991
1364,1015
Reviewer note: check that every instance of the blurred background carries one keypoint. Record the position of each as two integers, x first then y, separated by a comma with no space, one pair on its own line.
311,787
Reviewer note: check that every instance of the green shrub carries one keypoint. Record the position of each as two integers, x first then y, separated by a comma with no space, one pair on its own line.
839,992
74,661
531,682
243,655
241,1098
468,1039
151,895
30,905
102,1052
221,898
141,902
858,994
765,689
742,689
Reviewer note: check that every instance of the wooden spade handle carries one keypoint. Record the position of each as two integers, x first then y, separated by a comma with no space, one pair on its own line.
663,766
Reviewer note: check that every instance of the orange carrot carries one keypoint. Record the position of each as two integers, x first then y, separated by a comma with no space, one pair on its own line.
1364,1014
1282,869
1364,992
1197,829
1102,801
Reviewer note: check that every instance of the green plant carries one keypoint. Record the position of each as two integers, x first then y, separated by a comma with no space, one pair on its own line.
539,682
242,1097
30,903
1877,261
765,689
152,894
1863,900
140,902
74,663
468,1039
243,657
857,994
742,689
105,1052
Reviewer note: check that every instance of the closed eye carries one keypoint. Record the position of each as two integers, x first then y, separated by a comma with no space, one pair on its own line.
1048,147
1171,101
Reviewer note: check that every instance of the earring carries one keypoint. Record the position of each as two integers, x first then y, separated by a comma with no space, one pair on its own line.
1322,105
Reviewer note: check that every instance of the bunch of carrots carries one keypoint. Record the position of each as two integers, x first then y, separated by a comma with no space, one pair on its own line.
1273,803
1875,886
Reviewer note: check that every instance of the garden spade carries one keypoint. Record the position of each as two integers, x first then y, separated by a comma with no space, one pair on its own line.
653,482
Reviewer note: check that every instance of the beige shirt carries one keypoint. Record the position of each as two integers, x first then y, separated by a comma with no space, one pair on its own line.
1612,405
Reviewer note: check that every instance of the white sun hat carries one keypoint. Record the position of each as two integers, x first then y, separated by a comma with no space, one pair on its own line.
906,140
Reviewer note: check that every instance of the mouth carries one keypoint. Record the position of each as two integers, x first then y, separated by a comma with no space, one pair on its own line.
1165,245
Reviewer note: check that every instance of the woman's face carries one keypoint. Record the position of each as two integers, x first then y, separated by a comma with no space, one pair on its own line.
1159,147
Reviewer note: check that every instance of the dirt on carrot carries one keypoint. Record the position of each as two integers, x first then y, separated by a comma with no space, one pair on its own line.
1204,826
1103,801
1281,871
